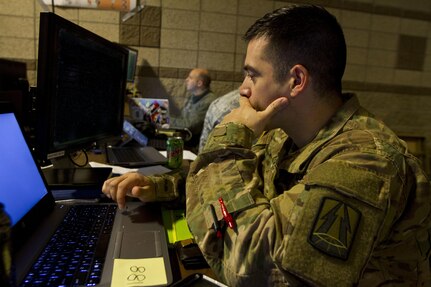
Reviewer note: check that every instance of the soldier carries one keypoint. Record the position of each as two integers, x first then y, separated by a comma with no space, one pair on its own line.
328,196
198,84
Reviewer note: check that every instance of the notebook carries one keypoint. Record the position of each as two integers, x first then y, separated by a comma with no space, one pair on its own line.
136,234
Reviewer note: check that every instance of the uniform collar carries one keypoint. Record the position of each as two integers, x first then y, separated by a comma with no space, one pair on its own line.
327,133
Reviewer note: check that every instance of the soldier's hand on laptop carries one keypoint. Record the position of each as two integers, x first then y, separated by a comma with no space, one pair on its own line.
130,184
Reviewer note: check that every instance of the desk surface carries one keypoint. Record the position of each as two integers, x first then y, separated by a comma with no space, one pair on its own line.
179,271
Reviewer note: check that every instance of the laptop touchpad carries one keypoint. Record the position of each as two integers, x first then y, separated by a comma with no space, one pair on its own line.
140,244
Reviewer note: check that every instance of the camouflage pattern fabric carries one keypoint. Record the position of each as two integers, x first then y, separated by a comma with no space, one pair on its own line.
351,208
215,113
170,186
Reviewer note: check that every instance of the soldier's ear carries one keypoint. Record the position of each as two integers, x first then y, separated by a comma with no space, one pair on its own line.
298,79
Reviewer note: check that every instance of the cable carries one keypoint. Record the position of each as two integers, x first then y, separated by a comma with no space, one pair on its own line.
77,164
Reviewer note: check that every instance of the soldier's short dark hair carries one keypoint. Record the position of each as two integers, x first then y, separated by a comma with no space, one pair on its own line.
307,35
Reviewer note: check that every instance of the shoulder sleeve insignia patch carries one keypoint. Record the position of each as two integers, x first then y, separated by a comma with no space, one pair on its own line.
334,228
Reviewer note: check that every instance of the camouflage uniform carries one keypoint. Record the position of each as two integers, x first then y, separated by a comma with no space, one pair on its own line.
169,186
216,111
350,208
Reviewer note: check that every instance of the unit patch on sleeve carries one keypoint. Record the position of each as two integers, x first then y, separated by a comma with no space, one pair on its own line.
334,228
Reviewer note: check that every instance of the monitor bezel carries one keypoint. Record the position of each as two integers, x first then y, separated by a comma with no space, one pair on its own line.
50,24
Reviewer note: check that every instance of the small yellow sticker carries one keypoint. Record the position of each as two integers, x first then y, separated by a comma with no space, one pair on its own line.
139,272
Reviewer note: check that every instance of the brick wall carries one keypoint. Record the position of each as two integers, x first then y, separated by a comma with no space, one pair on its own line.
389,48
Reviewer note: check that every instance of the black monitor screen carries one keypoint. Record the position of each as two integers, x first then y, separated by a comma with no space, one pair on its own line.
80,87
14,88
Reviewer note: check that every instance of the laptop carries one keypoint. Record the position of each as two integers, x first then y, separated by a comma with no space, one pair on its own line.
36,220
133,133
134,156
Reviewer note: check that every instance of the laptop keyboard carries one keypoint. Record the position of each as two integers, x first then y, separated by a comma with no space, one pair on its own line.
127,155
76,252
157,143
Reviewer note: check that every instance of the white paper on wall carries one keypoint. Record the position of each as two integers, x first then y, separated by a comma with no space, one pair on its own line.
120,5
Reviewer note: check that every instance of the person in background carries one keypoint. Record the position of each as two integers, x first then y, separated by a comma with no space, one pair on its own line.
198,84
328,195
216,111
169,186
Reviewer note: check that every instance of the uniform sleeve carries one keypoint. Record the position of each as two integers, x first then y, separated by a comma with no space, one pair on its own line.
321,231
169,186
329,233
225,169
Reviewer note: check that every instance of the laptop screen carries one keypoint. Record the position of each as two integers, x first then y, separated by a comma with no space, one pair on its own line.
22,184
134,133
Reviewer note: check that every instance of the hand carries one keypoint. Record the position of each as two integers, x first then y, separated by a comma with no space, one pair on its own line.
257,121
130,184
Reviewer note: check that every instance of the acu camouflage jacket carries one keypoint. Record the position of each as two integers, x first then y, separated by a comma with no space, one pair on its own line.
350,208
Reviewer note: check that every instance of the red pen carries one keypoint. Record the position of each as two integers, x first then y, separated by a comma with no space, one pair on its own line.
226,215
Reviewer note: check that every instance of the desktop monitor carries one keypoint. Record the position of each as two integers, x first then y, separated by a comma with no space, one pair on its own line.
81,85
131,63
14,88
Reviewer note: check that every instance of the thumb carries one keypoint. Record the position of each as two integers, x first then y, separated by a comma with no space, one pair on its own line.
244,102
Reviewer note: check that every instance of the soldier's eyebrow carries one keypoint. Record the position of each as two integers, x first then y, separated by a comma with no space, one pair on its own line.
250,70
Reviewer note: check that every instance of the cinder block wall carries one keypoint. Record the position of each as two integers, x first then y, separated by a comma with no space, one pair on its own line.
389,49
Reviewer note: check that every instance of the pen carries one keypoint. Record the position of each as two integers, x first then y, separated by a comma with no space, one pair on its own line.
215,222
226,215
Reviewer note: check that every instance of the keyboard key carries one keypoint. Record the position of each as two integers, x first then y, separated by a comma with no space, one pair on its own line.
76,252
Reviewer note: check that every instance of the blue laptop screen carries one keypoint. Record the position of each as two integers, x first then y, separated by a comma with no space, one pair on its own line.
134,133
21,183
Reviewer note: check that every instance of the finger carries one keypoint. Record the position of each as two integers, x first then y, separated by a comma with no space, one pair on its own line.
128,183
244,101
105,188
235,115
124,189
276,106
110,187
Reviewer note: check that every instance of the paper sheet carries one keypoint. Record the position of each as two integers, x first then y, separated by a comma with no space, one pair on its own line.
123,5
148,170
186,154
139,272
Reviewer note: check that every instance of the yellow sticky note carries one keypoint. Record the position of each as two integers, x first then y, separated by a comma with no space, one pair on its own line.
139,272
